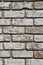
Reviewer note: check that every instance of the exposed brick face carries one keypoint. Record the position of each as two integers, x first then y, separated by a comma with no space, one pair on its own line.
21,32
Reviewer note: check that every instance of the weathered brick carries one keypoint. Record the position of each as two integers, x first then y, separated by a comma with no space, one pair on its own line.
38,21
13,14
38,38
22,37
34,46
1,46
0,30
34,30
5,22
21,5
14,62
5,38
1,62
34,61
12,30
12,0
38,54
14,45
0,14
22,54
4,5
38,5
22,22
34,13
4,54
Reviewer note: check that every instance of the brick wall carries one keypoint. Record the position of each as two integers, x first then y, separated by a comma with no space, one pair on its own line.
21,32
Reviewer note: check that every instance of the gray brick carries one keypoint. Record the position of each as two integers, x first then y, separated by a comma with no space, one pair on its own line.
22,37
22,22
1,46
14,14
38,21
0,14
21,5
13,30
1,62
34,61
14,62
4,5
14,45
4,54
34,13
38,38
22,54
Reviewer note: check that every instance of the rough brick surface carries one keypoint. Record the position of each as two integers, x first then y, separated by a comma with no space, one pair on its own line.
21,32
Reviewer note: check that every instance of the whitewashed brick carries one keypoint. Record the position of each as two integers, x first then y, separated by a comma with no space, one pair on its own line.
34,61
12,29
22,54
4,54
4,5
22,37
0,30
1,46
38,38
34,46
34,13
5,22
22,22
11,14
34,30
21,5
14,62
14,45
38,21
38,5
0,14
1,62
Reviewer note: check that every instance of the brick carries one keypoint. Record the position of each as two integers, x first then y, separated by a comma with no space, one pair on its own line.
1,46
34,46
22,37
5,22
38,54
34,30
34,61
34,13
14,62
5,38
13,0
0,30
4,5
4,54
38,5
38,38
21,5
13,14
14,46
38,21
22,22
1,62
22,54
0,14
13,30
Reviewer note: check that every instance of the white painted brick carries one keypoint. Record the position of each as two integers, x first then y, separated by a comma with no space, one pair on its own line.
11,14
0,30
4,54
0,14
12,29
22,54
5,22
34,62
22,22
20,5
34,13
1,46
38,21
22,37
1,62
14,45
38,38
4,5
14,62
